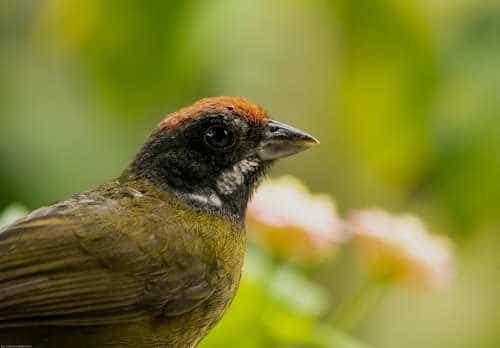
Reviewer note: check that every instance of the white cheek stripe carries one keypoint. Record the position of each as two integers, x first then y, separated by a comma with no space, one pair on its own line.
232,179
228,182
211,199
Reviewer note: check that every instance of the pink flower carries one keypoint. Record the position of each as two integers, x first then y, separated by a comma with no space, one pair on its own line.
286,218
400,249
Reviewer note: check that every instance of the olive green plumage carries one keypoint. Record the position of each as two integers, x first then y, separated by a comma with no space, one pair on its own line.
107,257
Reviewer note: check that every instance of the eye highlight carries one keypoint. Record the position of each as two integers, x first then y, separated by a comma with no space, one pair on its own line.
219,137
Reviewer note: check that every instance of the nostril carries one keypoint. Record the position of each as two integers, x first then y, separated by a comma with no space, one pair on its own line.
273,128
277,128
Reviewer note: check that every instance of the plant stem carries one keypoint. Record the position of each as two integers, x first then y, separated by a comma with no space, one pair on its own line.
354,310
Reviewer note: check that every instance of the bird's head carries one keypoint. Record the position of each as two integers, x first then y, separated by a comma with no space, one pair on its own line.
213,153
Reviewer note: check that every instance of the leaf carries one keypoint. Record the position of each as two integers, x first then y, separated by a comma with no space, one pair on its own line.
12,213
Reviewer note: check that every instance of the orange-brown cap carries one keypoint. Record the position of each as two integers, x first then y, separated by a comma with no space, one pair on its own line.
239,105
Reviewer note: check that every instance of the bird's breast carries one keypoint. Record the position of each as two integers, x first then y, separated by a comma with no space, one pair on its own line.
218,244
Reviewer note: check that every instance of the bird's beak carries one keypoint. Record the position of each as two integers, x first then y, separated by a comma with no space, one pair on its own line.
281,140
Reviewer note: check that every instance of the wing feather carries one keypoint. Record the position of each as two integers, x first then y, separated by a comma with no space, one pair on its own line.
56,270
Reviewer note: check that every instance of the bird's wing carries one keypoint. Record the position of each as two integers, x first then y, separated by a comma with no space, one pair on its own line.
56,270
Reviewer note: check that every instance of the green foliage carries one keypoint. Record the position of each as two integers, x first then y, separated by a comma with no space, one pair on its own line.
388,80
134,53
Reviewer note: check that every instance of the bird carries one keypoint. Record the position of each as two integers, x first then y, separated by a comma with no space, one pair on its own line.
152,258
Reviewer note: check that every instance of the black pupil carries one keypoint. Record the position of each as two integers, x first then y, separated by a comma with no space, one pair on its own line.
219,137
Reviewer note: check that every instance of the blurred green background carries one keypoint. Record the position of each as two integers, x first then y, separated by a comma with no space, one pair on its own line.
404,96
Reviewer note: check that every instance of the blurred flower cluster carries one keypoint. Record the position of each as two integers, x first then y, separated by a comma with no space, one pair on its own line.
296,225
399,249
286,218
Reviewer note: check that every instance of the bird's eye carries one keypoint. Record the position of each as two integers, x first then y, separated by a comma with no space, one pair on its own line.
219,137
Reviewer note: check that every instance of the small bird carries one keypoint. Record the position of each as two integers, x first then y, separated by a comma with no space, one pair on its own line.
153,258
